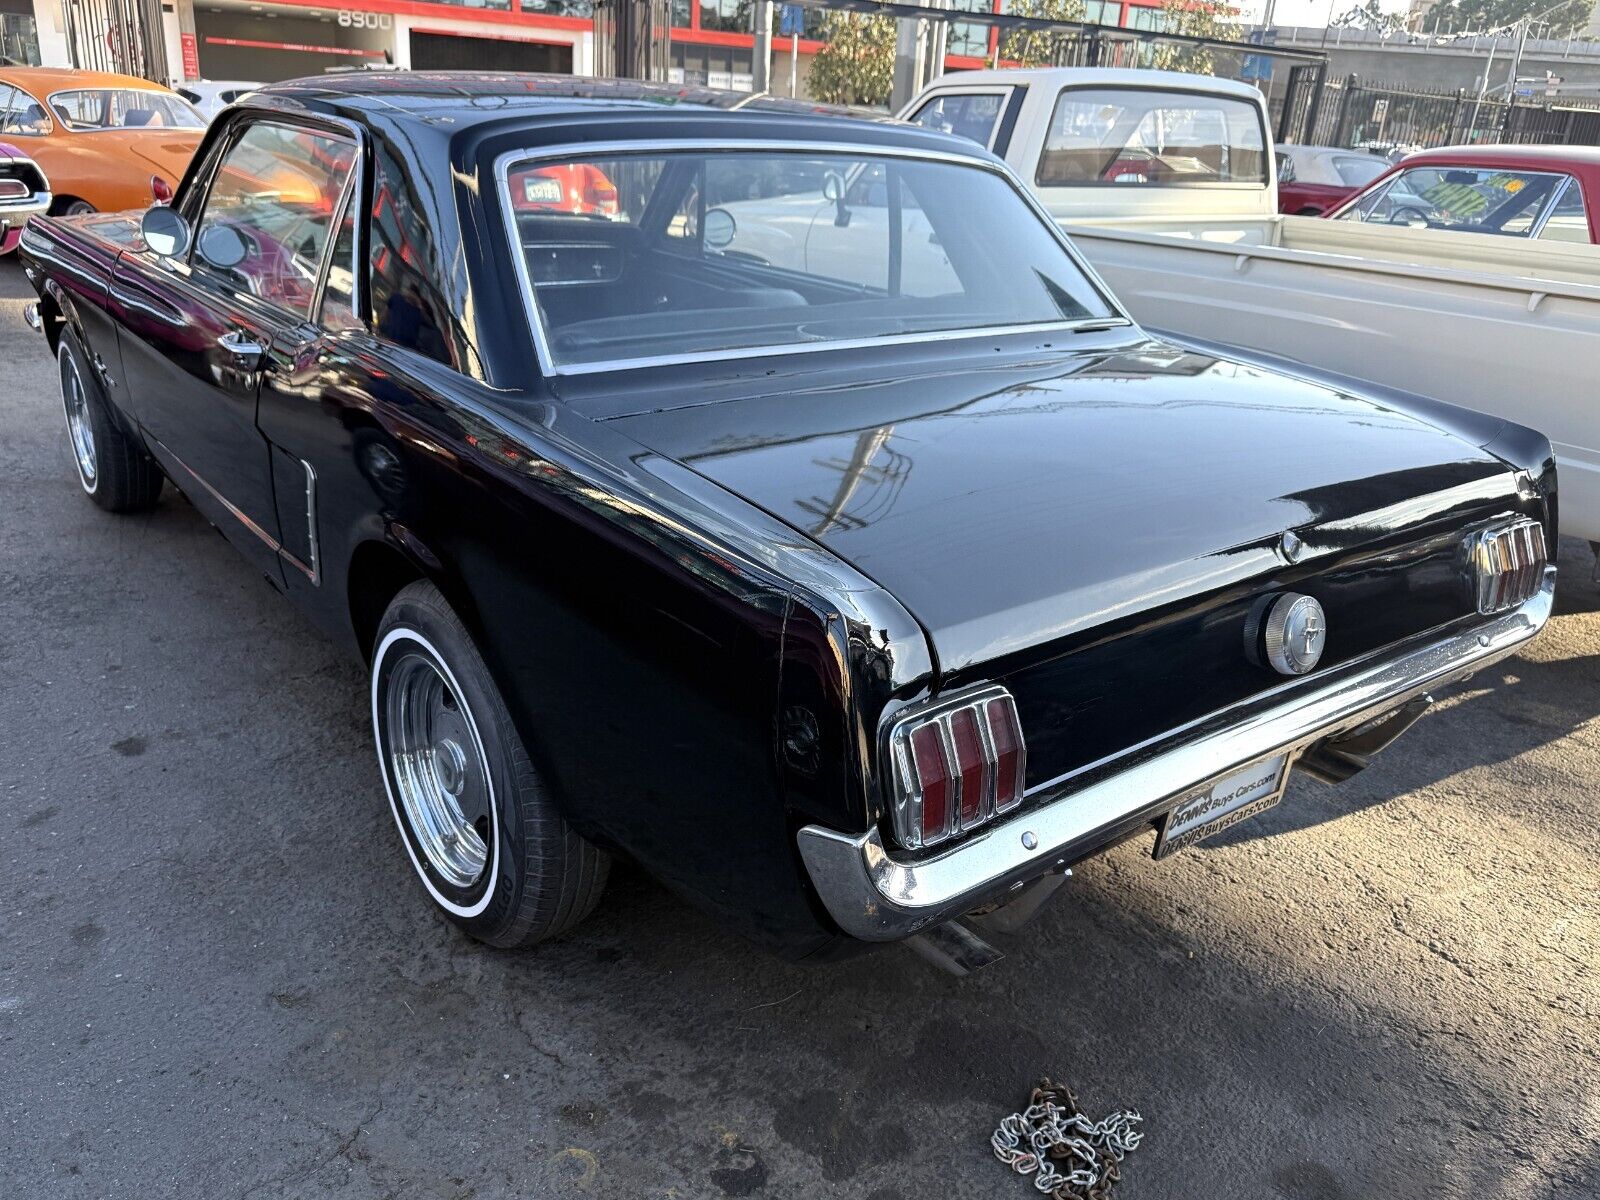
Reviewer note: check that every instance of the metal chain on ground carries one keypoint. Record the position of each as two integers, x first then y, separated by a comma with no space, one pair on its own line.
1069,1156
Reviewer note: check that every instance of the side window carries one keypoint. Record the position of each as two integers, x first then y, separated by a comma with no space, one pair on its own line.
971,116
339,292
1285,169
276,191
1570,220
20,114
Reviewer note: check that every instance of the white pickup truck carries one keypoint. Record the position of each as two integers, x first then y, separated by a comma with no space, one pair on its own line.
1166,184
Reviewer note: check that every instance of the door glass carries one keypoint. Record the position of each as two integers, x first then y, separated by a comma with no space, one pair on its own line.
339,293
1469,199
1570,220
20,114
278,188
971,116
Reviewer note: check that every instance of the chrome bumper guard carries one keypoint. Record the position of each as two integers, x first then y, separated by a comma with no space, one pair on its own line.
879,898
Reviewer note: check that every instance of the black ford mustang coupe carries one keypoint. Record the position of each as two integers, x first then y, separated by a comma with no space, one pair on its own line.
767,495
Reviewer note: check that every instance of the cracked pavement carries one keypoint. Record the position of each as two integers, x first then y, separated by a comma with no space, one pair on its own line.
219,979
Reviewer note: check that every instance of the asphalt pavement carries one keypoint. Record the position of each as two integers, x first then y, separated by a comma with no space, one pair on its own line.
218,977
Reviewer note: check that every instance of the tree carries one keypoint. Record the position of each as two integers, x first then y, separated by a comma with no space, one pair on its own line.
1450,16
1371,16
1193,18
856,63
1041,47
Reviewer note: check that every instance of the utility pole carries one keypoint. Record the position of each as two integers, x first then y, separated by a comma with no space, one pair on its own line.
761,63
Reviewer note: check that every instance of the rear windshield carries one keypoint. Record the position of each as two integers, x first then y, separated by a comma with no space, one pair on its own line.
655,255
1145,137
124,108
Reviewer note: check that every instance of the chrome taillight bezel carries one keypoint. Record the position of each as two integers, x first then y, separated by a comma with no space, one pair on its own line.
1508,561
905,792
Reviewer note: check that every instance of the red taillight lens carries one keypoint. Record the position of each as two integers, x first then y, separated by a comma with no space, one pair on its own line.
1006,732
933,783
602,198
160,190
955,766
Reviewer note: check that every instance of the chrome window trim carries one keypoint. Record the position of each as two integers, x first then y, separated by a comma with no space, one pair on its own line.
503,164
874,895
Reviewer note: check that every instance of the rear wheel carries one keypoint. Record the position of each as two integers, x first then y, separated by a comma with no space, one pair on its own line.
478,824
70,206
115,472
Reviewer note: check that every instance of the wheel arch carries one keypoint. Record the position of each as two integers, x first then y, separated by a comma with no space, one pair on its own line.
378,571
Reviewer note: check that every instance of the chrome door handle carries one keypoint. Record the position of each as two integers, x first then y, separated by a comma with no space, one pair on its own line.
242,345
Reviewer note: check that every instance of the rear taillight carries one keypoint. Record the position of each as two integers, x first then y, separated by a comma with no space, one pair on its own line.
1508,562
160,190
602,198
955,765
13,189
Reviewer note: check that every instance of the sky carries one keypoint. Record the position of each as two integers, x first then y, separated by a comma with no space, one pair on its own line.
1310,12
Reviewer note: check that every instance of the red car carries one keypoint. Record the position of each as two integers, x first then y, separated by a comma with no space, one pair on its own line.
1313,180
24,193
1547,192
578,188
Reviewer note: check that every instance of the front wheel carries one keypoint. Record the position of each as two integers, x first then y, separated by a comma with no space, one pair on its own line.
478,824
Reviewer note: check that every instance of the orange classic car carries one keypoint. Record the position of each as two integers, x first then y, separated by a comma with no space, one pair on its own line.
105,142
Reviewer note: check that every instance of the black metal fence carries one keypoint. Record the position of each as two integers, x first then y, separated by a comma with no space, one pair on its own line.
1361,115
116,35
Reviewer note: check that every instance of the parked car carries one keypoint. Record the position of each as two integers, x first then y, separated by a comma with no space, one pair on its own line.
211,96
845,608
1099,141
1314,179
581,190
106,142
24,193
1547,192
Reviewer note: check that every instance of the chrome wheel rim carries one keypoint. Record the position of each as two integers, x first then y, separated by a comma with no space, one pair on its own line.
438,770
75,399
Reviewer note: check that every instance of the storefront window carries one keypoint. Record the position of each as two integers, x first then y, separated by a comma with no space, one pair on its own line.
1102,12
1147,18
712,66
732,16
554,7
681,10
966,38
19,39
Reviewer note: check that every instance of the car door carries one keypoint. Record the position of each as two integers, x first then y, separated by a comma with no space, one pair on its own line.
201,330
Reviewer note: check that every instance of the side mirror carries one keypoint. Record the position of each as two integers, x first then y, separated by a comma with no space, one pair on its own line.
222,246
833,190
165,232
720,228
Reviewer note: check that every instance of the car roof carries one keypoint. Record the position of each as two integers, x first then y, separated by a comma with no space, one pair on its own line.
1534,156
1099,76
52,79
465,100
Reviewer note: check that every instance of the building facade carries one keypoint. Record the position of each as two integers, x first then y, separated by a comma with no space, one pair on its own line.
267,40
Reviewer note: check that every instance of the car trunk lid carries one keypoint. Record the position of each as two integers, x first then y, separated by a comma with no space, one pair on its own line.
1013,505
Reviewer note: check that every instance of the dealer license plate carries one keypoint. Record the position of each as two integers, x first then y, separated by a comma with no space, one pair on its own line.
1225,802
541,191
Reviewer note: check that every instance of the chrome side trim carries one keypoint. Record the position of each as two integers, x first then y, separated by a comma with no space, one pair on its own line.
313,569
877,897
237,513
511,158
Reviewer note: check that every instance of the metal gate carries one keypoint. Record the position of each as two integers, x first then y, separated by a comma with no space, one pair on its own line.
124,36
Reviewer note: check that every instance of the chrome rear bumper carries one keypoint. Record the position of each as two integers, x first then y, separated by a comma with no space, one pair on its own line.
877,897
